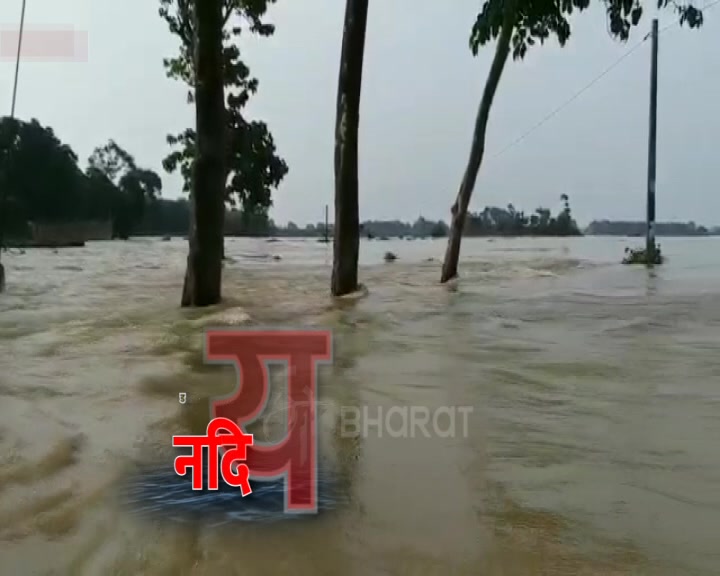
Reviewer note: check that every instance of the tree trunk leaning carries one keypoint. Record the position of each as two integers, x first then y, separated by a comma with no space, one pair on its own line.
460,207
346,246
203,278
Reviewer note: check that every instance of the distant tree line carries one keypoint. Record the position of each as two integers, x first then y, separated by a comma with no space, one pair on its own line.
493,221
624,228
171,217
421,228
41,182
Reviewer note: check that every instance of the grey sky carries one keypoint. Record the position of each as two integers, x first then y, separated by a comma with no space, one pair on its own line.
420,94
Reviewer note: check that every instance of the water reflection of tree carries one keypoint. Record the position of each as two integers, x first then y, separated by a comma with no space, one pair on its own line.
652,282
351,337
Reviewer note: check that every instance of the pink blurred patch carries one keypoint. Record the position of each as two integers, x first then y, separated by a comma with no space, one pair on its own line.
48,45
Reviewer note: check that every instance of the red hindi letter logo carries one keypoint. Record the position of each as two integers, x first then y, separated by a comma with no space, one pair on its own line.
294,457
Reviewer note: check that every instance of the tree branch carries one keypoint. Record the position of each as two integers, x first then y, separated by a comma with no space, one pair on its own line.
184,22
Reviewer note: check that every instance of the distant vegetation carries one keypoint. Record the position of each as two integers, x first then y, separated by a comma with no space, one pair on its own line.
619,228
492,221
511,222
42,182
171,217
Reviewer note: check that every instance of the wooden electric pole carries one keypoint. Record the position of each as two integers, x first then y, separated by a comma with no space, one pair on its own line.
652,148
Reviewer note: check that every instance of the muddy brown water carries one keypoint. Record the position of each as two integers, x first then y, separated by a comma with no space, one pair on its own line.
593,446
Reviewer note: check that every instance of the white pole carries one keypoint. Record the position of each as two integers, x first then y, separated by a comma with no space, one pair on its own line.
17,59
12,116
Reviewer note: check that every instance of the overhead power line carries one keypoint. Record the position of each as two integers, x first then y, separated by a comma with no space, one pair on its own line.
587,87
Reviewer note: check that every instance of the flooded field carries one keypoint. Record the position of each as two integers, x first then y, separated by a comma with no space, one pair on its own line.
593,446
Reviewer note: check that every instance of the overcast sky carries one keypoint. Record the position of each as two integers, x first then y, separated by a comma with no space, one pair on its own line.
420,95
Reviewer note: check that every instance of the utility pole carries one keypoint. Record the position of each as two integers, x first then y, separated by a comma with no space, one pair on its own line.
3,191
652,148
17,60
327,227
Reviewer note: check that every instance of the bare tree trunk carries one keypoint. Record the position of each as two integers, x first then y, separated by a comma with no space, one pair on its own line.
347,213
203,278
460,207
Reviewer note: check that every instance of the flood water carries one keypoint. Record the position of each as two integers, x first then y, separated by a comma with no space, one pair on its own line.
593,446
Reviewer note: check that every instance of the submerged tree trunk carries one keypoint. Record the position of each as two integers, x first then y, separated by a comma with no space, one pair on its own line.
347,213
460,207
203,278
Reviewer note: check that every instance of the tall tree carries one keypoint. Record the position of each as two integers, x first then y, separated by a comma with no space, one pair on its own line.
520,24
117,188
40,176
203,276
347,213
112,160
252,167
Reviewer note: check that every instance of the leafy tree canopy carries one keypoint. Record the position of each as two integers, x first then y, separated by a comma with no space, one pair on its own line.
253,166
40,177
537,20
41,181
494,221
118,186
